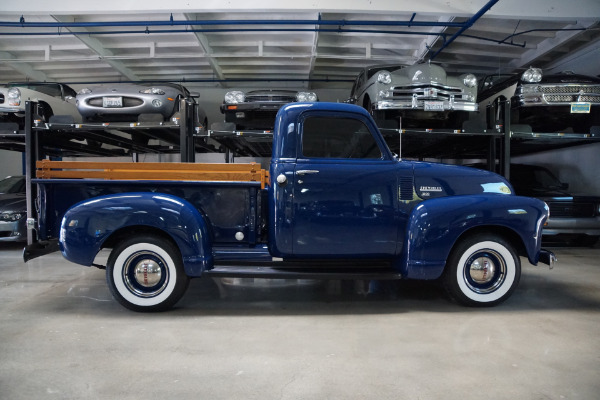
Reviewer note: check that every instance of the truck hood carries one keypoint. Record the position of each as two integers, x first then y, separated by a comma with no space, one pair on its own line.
439,180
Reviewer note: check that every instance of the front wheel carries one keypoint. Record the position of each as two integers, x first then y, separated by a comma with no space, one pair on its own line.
145,273
482,270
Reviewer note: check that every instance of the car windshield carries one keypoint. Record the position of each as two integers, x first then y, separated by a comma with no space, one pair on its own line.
51,89
535,178
12,184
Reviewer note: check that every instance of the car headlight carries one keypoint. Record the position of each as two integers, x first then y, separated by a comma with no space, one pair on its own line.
306,96
85,91
384,77
235,97
532,75
11,216
470,80
14,97
153,90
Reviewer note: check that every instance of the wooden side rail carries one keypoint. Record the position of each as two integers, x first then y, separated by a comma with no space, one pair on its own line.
251,172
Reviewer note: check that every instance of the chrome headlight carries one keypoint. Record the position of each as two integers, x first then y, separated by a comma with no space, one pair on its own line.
235,97
384,77
470,80
532,75
14,97
85,91
153,90
306,96
11,216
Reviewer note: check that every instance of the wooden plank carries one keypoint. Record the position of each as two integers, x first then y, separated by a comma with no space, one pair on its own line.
152,171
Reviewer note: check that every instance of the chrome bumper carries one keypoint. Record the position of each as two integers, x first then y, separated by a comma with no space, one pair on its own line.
548,258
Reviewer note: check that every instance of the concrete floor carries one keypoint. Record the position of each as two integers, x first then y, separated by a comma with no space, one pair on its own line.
63,337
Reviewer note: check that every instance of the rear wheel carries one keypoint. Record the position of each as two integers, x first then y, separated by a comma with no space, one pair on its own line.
146,273
482,270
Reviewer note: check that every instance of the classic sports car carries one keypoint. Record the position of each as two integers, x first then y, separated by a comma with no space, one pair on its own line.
256,109
423,95
126,102
570,215
564,102
53,98
13,209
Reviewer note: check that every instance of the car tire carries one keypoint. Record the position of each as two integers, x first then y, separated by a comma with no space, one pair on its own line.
482,270
145,273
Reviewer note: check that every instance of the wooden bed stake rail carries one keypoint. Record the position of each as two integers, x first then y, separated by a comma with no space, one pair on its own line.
251,172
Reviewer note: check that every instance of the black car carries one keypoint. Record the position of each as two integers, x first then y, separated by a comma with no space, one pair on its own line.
13,209
571,215
564,102
257,109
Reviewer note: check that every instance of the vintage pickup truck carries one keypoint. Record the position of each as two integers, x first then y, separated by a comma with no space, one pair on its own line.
335,204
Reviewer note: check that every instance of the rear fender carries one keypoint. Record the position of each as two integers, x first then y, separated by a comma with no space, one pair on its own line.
435,225
89,224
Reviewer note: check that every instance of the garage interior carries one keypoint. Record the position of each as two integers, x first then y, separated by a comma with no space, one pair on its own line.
63,336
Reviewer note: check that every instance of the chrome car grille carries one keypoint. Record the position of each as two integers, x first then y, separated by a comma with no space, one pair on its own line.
574,89
270,98
571,210
1,98
127,102
432,91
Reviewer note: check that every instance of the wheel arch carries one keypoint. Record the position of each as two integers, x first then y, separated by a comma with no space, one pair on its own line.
99,223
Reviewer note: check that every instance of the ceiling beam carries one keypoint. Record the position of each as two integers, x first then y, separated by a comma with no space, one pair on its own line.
22,67
97,47
207,50
518,9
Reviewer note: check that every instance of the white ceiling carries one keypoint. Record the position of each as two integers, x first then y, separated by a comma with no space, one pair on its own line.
272,44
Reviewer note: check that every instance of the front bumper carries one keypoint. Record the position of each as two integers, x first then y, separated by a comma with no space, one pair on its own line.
547,257
13,231
426,105
576,226
16,109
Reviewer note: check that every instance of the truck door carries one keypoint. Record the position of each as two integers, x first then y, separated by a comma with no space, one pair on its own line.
345,190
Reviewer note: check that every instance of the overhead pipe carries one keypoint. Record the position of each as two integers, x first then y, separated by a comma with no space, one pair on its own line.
340,22
466,26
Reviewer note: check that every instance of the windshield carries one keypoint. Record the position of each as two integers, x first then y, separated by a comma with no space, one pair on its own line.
535,178
12,184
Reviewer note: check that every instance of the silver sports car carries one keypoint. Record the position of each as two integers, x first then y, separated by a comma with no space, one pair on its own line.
126,102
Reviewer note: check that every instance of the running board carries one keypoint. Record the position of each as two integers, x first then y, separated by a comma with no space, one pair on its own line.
237,271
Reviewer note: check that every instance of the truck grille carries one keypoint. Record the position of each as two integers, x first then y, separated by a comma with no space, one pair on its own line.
1,98
431,91
571,210
271,98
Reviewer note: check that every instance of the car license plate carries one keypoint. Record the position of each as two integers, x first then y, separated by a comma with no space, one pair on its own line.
581,108
434,106
112,102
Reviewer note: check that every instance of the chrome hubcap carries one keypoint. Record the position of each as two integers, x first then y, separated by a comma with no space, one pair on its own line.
485,271
145,274
482,270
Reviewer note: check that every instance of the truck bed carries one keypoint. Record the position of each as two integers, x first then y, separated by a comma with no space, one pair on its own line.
231,196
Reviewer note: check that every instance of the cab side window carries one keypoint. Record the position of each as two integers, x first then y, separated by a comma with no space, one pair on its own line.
330,137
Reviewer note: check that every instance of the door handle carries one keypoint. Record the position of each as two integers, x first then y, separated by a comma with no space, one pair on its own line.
307,171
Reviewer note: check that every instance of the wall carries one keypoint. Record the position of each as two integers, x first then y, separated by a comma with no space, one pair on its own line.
11,163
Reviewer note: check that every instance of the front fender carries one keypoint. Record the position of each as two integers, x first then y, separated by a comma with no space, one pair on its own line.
436,224
88,224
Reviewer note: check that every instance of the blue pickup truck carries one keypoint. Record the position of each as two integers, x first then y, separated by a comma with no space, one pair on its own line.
334,204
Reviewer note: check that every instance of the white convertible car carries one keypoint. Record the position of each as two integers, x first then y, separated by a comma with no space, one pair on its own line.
53,98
